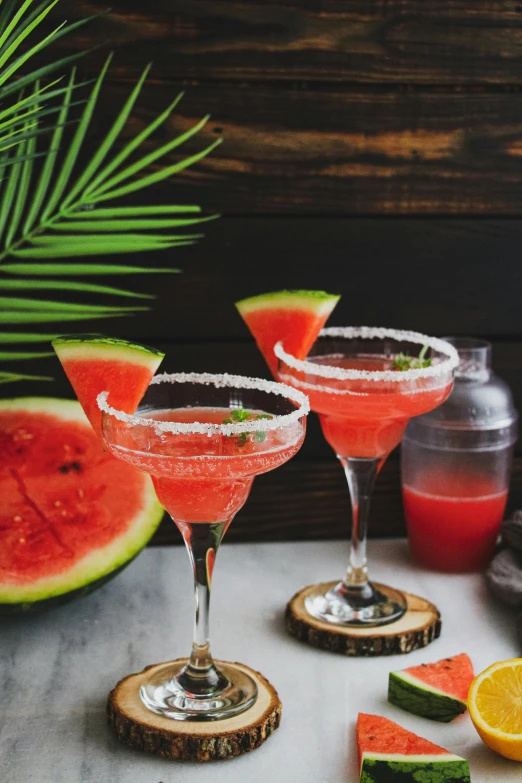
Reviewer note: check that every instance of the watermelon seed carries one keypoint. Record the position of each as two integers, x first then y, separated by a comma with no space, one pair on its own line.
81,493
57,503
73,466
21,540
17,518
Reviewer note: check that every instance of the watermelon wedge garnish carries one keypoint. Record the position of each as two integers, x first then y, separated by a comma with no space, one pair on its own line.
434,690
389,752
94,363
295,317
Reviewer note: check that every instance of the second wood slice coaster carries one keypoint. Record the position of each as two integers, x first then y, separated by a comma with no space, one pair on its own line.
142,729
417,628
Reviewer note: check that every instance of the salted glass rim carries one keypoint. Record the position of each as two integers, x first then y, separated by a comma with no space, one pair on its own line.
219,381
375,333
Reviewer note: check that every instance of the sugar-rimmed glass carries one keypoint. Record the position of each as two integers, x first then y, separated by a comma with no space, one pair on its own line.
192,435
364,404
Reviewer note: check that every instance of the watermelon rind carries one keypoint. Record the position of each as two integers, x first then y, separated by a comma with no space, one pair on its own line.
98,566
444,768
317,302
415,696
95,346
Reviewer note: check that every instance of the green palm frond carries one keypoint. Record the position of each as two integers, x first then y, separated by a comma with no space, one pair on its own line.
53,214
59,205
81,270
61,218
26,337
10,377
18,21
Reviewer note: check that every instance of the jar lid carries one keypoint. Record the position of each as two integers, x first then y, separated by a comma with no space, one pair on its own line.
480,400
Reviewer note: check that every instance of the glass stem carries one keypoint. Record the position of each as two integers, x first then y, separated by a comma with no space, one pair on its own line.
361,475
200,677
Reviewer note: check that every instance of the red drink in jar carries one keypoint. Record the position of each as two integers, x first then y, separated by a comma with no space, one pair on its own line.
453,521
456,463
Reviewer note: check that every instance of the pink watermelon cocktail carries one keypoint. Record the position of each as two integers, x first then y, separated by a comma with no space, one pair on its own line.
365,384
203,438
203,479
361,417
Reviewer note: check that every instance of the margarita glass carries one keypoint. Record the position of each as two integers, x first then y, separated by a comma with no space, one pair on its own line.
364,405
203,438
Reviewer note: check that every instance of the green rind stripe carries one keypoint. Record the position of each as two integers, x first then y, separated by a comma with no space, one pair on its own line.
314,301
106,349
423,701
380,771
99,339
65,410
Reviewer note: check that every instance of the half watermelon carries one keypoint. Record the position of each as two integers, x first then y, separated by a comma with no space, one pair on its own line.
388,752
295,317
438,691
94,363
66,527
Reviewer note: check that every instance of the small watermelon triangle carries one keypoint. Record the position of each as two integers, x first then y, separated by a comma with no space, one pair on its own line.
94,363
376,734
434,690
452,676
389,752
295,317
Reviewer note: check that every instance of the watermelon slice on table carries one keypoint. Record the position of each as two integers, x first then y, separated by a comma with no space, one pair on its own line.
66,527
94,363
438,691
388,752
295,317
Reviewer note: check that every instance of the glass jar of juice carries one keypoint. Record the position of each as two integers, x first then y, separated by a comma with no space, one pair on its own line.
456,463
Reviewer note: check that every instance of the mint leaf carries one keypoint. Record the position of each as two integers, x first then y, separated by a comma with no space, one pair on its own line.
238,415
403,361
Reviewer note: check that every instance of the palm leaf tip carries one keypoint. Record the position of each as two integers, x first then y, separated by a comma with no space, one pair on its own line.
11,377
23,355
26,337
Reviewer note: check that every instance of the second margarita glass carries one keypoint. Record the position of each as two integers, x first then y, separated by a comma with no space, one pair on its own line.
203,439
365,387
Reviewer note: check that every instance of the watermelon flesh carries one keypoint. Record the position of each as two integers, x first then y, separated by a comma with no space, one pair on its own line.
295,317
438,691
388,752
65,524
94,364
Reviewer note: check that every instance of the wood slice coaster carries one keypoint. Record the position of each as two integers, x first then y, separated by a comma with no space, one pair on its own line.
142,729
417,628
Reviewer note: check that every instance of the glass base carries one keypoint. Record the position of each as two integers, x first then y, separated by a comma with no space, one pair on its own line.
163,694
371,605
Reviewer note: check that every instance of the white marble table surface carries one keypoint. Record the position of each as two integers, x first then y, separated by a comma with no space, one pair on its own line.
57,668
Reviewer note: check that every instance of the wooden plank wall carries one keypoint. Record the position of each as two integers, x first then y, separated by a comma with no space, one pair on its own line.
370,148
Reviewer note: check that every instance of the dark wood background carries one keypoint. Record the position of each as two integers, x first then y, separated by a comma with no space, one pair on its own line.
372,149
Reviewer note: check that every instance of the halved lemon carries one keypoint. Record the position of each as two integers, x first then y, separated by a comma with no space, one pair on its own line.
495,707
